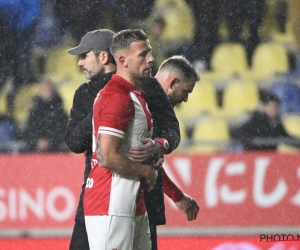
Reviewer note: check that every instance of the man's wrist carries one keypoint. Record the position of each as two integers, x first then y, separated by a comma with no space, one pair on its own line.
178,198
145,171
163,143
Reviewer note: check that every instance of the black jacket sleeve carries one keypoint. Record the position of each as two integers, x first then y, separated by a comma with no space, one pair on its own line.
79,129
165,122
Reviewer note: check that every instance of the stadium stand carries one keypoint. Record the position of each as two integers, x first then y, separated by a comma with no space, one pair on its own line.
3,103
291,123
239,93
67,91
210,135
269,60
239,97
289,95
202,100
229,59
61,67
22,103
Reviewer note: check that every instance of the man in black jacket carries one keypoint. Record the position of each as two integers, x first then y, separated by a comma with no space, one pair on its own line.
264,129
99,66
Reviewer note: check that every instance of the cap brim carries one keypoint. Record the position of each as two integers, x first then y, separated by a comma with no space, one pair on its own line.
78,50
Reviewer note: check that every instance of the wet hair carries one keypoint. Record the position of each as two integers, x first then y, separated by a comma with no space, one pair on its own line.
267,97
181,66
111,59
124,38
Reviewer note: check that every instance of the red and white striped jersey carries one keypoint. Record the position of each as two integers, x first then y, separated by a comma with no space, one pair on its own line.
119,110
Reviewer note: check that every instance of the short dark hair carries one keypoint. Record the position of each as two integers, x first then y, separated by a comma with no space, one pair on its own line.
181,65
124,38
111,59
267,97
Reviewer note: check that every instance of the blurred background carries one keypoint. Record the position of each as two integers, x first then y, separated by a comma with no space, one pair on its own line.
240,129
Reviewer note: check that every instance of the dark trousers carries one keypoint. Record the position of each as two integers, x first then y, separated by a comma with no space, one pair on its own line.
153,235
79,239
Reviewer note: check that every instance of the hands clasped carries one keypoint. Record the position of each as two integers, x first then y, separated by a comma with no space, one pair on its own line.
148,152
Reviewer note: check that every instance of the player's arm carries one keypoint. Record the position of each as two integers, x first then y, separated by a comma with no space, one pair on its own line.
79,128
165,122
184,202
108,156
166,125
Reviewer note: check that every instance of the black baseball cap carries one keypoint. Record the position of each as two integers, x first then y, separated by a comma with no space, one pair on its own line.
94,40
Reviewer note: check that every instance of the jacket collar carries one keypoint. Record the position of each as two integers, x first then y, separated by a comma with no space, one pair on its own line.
97,83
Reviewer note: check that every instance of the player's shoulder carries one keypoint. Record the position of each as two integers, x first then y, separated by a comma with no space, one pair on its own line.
149,83
112,94
81,93
82,89
116,89
150,80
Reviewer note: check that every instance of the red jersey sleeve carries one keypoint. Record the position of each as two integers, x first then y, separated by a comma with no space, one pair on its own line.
170,188
113,112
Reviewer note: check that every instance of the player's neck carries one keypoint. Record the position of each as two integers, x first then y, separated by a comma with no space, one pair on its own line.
128,78
110,68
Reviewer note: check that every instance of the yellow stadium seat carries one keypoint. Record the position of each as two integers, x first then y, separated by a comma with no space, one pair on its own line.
3,103
183,131
22,102
203,99
269,60
287,38
66,91
229,59
62,67
210,135
178,16
239,97
291,123
213,76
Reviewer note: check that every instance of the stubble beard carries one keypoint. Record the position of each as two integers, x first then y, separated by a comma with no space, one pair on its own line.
145,76
89,75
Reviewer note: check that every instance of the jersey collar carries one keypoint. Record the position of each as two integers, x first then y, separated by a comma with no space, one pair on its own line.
132,88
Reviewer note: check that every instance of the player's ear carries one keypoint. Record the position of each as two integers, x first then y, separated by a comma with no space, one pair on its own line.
173,82
104,57
123,61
